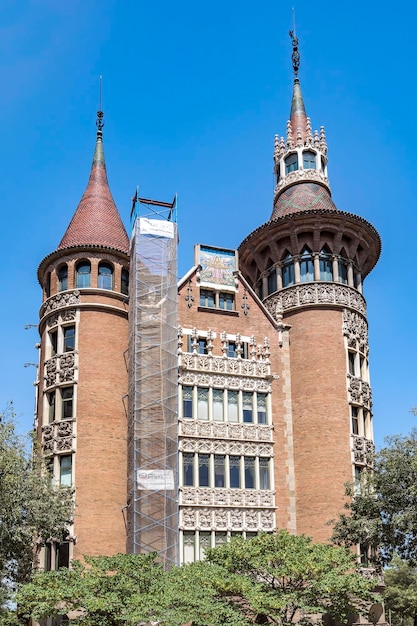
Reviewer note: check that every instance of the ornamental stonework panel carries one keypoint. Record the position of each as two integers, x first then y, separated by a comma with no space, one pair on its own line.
60,369
311,294
65,299
359,391
205,496
58,437
247,432
224,382
309,175
226,519
355,328
210,446
223,365
363,450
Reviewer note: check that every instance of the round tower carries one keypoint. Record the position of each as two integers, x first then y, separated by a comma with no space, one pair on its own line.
83,376
307,264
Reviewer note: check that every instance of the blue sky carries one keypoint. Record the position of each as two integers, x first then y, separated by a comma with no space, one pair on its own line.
193,94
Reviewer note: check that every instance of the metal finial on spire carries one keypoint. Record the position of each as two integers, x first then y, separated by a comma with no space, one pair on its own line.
100,114
295,53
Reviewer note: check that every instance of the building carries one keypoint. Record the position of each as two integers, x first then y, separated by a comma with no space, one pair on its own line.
267,412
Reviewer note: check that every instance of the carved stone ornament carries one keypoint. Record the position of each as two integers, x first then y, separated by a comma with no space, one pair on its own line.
50,372
226,519
224,382
363,450
60,369
58,437
66,367
359,391
355,328
67,298
312,294
224,365
205,496
301,176
212,446
225,430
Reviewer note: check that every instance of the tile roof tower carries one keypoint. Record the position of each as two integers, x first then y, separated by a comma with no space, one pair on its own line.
81,418
308,263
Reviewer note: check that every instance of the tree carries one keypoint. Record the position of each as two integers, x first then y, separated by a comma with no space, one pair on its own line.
383,516
276,577
401,592
31,510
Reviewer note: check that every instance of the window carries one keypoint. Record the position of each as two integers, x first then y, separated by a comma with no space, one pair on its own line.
125,282
264,480
226,301
231,349
234,472
105,276
326,266
247,408
188,469
309,160
83,274
249,472
306,266
51,406
207,298
62,555
232,406
203,470
218,410
355,419
202,403
69,338
204,542
48,557
187,401
291,163
53,340
352,359
202,347
67,395
358,478
219,470
343,271
48,285
189,546
272,280
65,470
62,278
288,275
261,402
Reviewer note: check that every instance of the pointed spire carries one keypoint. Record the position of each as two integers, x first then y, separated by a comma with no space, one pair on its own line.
298,116
96,221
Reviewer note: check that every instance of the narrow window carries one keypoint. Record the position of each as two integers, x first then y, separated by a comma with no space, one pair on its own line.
343,271
53,338
203,470
204,542
48,285
202,345
248,408
272,280
264,480
83,274
62,555
231,349
218,411
355,420
306,266
219,470
188,469
67,394
309,160
207,298
202,403
291,163
358,479
232,406
226,301
288,274
351,359
261,402
234,472
326,266
249,472
125,282
187,401
63,278
48,557
51,406
69,338
105,276
188,539
65,470
220,538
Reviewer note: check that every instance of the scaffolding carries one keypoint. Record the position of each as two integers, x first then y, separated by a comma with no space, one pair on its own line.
153,382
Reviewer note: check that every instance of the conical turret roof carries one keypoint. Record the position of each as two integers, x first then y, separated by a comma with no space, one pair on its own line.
96,221
298,115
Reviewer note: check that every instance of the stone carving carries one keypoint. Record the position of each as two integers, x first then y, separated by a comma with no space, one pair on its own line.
355,328
225,430
67,298
363,450
53,319
66,367
212,446
224,382
50,372
68,315
58,436
221,364
313,294
359,391
205,496
225,519
301,175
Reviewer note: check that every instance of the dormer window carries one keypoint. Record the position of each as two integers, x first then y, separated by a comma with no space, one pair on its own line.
291,163
309,160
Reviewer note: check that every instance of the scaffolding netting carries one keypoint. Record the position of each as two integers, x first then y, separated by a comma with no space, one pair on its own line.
153,390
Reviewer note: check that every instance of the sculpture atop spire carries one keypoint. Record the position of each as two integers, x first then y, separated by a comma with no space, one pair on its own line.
295,53
100,114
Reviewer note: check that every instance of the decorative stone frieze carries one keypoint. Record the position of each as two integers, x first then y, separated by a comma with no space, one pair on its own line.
372,573
223,365
226,519
205,496
310,294
359,391
363,450
66,367
64,299
50,372
224,382
213,446
224,430
58,437
355,328
301,176
60,369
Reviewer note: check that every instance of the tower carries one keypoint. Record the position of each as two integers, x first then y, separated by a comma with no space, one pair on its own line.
81,418
307,264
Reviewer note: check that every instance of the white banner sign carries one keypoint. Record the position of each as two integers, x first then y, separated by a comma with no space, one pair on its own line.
155,480
159,228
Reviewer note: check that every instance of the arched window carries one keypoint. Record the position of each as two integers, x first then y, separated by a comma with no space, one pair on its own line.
343,271
125,282
48,285
105,276
288,275
83,274
272,280
326,265
63,278
306,266
291,163
309,160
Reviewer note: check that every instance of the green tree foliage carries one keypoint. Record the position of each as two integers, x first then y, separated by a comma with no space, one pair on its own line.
277,578
401,592
31,510
383,515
